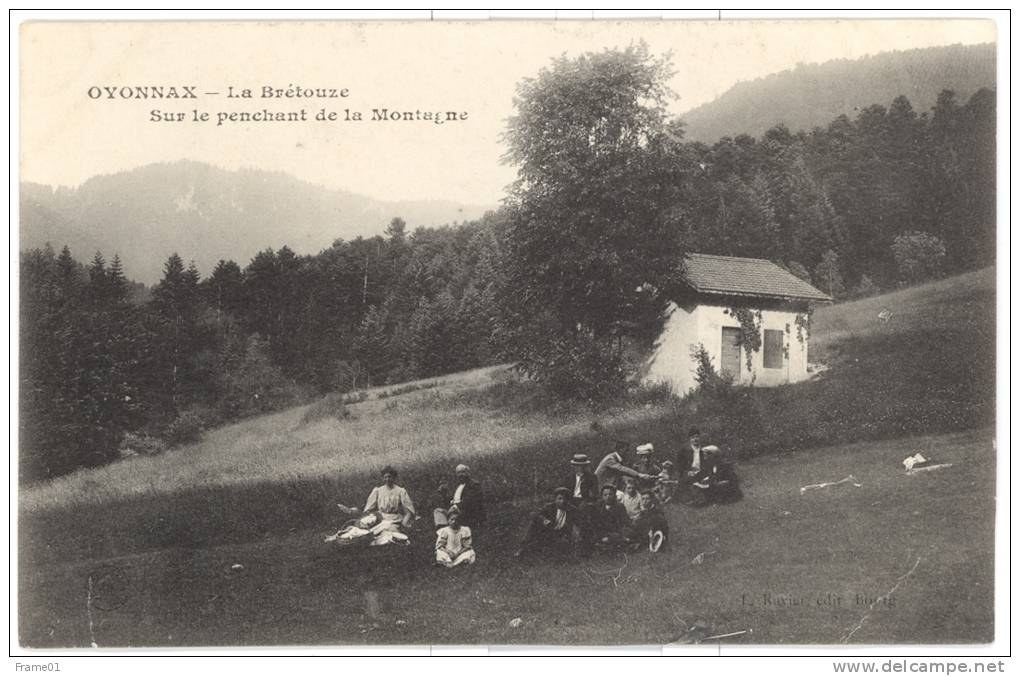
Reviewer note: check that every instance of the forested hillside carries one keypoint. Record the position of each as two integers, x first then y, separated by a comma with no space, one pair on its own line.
811,95
866,202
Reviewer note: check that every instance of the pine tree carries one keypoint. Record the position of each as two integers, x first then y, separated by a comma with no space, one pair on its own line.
117,285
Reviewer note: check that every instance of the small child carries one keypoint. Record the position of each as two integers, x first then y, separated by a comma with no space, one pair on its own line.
666,486
453,542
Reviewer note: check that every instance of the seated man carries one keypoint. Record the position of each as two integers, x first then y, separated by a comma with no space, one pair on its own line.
613,466
467,497
650,528
582,483
718,481
630,498
453,542
696,466
609,521
645,464
553,524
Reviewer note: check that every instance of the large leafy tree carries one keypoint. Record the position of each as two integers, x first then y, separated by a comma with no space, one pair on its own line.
592,214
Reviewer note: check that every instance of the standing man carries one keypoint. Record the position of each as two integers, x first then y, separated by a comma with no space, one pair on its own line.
612,467
467,498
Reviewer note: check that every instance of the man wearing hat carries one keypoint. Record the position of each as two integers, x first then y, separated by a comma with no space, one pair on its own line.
583,484
645,464
553,524
612,467
467,497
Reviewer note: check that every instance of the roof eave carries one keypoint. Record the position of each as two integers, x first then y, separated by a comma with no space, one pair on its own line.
767,296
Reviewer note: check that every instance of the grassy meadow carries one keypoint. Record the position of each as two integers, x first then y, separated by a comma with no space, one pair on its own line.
160,533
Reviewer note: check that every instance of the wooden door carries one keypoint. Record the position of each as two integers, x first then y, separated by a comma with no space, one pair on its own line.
729,359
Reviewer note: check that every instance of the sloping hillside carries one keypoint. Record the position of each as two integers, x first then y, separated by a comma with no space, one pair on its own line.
813,95
221,542
930,367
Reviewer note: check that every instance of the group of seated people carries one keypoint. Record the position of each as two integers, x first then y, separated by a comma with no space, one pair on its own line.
616,506
591,511
389,513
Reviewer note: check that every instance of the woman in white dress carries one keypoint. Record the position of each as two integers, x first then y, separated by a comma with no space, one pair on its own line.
387,509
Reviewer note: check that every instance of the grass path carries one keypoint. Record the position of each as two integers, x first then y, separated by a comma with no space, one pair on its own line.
929,536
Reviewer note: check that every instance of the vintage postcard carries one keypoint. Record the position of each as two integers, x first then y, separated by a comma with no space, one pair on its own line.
507,333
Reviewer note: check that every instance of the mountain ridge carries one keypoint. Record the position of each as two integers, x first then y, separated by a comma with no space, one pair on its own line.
206,213
811,95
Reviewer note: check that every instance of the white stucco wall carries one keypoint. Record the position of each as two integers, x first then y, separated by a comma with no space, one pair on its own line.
687,327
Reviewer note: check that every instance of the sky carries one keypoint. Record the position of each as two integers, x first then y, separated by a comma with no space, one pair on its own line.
66,136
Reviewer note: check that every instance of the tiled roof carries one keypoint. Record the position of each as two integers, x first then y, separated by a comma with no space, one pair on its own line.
733,276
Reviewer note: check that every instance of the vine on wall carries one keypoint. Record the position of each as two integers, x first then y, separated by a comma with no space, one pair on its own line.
750,329
803,322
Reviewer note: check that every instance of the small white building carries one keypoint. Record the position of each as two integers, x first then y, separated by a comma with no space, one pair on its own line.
718,292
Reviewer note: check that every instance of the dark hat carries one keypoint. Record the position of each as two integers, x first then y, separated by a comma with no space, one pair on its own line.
580,459
694,431
563,491
611,487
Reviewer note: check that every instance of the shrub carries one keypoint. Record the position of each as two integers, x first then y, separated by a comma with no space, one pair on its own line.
409,387
865,288
184,429
330,406
709,380
919,256
139,443
355,397
657,393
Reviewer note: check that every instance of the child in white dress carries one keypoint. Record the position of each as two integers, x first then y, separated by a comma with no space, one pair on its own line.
453,542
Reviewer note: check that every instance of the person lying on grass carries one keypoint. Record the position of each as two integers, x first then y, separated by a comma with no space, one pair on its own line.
453,542
551,525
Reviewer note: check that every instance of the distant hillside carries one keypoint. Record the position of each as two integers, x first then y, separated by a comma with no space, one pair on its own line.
814,95
206,213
